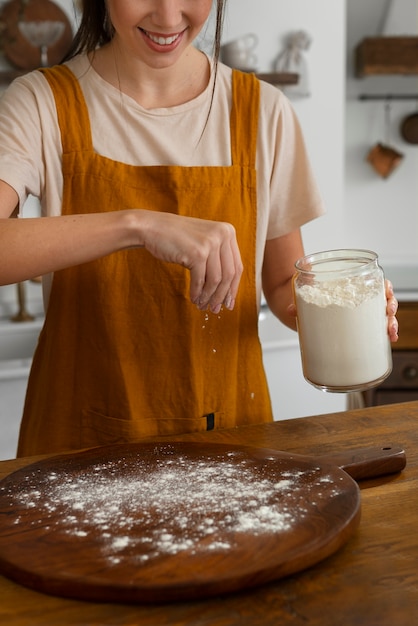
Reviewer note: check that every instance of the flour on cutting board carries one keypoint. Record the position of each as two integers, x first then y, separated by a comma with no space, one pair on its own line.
181,504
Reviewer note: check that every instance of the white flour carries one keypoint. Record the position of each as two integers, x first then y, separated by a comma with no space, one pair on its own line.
343,332
181,505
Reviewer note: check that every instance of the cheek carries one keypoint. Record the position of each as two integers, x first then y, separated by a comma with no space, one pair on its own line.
123,12
199,13
203,8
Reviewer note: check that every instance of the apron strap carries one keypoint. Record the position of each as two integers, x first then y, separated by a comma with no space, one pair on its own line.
72,112
244,118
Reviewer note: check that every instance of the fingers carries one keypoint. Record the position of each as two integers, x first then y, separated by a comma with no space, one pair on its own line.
233,290
208,249
393,330
391,310
222,273
291,310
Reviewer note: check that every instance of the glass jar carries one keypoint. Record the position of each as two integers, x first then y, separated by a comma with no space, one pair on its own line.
341,318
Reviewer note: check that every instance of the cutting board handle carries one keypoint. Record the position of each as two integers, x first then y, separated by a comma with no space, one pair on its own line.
364,463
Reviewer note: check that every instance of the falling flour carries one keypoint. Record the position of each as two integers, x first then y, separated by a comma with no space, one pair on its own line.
182,504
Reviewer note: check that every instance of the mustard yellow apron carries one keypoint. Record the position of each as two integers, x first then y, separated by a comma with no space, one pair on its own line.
124,354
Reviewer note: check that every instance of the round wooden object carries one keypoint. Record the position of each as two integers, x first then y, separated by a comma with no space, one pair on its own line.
153,522
17,48
409,128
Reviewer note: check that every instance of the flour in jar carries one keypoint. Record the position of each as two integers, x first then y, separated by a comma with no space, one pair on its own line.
343,333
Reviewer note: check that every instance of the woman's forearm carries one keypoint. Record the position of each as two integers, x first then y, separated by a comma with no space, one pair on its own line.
35,246
279,266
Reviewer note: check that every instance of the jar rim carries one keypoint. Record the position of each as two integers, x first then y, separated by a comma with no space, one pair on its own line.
322,262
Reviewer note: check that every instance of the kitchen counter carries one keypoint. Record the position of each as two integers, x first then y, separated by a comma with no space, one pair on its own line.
372,580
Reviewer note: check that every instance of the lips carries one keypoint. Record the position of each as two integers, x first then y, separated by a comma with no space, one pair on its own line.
162,40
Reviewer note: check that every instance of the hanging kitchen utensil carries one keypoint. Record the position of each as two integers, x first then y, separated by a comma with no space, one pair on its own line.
383,157
409,128
161,522
42,16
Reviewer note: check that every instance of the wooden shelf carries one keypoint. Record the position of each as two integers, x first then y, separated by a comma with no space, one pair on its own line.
386,55
279,78
6,76
274,78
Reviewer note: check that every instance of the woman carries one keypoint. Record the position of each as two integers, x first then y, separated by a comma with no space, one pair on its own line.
172,191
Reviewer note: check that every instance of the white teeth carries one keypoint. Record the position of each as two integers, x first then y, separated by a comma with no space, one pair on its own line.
163,41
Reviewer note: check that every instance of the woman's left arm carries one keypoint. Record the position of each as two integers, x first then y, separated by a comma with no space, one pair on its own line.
280,256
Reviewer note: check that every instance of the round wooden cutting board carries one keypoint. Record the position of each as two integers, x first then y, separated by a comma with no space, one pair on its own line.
17,48
156,522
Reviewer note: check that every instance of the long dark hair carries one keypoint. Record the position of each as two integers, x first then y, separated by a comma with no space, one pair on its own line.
95,30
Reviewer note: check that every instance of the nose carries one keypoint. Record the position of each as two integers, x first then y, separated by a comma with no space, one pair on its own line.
167,13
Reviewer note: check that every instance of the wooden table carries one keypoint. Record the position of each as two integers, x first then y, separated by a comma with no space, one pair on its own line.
371,581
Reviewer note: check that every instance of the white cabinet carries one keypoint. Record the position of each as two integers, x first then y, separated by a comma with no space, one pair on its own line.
17,343
291,395
13,380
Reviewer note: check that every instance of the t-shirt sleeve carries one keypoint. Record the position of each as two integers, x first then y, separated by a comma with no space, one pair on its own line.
293,194
23,110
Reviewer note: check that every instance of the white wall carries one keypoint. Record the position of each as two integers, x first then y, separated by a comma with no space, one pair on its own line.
363,209
380,214
322,114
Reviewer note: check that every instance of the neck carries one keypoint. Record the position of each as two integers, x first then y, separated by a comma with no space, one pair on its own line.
154,87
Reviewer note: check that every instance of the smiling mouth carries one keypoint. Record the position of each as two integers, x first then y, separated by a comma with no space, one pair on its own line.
160,40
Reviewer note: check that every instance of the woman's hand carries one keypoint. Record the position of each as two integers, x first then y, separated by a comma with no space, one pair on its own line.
207,248
391,310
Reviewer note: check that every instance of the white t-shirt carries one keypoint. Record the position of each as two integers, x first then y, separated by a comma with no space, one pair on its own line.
30,143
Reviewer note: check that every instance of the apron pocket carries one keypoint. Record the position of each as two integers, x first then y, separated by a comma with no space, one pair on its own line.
99,430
